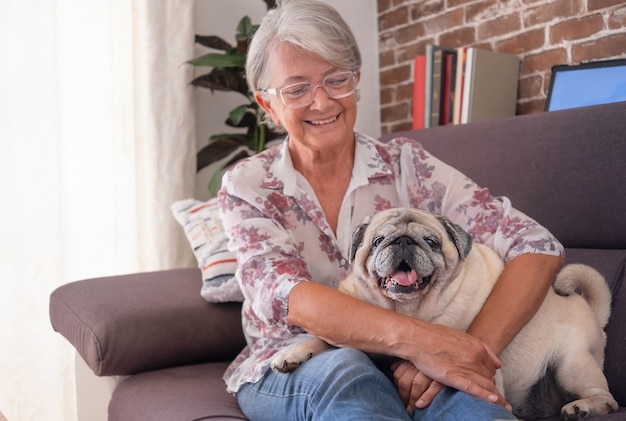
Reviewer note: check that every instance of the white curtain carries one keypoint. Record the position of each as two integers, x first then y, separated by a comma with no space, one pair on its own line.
97,139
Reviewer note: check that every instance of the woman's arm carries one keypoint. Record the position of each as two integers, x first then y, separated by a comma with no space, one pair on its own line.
516,297
447,355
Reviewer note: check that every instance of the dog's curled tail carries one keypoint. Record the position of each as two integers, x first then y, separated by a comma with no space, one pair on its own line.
585,280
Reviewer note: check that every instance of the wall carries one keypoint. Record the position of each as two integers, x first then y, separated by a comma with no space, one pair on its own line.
542,33
219,17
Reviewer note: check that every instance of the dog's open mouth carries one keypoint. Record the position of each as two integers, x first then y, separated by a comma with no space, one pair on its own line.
404,279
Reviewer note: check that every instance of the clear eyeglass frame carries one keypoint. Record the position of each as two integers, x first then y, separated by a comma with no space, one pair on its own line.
337,85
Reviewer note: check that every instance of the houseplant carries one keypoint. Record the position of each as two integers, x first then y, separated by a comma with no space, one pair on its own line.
228,74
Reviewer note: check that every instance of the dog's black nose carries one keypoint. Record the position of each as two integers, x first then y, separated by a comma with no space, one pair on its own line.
404,241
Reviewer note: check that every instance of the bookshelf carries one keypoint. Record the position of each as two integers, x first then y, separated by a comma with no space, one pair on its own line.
463,85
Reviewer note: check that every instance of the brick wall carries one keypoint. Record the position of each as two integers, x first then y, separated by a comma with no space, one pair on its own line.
541,33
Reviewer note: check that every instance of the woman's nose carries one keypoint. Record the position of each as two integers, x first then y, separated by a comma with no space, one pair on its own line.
320,97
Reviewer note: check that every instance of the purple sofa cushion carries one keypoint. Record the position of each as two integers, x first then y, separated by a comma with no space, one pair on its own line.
132,323
193,392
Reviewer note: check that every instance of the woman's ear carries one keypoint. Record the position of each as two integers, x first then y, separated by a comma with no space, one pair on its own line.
266,104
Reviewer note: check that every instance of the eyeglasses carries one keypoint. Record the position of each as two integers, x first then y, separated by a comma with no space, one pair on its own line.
298,95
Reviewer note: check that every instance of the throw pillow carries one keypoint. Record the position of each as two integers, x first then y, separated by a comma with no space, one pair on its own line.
205,232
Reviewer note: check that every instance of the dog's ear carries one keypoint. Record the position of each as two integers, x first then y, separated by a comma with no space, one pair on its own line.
461,239
357,238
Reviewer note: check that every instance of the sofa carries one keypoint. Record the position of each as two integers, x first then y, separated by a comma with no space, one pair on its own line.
149,347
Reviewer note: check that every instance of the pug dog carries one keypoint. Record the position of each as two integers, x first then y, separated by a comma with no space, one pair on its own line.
426,267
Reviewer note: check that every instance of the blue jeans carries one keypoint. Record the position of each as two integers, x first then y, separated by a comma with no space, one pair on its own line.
344,384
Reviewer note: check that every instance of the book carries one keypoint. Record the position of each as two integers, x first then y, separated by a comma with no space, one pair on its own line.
436,88
433,87
489,85
459,83
448,88
419,93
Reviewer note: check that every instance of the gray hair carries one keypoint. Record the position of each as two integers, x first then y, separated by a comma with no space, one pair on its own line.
313,26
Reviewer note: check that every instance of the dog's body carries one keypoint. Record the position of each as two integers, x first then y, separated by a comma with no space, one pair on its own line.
425,267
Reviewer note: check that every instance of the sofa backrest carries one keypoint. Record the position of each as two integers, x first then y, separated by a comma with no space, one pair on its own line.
567,170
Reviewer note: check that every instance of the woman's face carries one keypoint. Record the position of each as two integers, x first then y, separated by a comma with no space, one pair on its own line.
326,122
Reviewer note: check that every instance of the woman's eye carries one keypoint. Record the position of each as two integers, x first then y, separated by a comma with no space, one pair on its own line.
296,90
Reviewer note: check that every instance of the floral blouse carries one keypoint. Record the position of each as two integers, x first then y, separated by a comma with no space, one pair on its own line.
278,230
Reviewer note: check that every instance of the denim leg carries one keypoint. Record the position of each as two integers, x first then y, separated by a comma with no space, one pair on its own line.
451,404
343,384
339,384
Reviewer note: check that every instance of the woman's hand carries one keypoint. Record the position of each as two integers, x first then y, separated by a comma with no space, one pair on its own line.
456,359
415,389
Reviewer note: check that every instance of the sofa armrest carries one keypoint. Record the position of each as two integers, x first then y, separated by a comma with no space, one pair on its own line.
131,323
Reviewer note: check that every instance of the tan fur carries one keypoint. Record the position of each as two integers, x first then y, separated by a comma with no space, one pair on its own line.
567,332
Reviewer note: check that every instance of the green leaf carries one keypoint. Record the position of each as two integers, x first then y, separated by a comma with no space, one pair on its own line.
219,60
223,80
237,114
213,41
245,29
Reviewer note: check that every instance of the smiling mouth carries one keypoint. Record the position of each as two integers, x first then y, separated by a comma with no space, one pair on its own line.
322,122
405,279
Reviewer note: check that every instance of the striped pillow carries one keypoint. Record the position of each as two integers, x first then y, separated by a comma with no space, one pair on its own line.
203,227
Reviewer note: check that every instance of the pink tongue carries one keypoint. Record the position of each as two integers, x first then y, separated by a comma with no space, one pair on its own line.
405,278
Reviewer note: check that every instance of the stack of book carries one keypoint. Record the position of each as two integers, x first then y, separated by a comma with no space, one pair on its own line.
462,85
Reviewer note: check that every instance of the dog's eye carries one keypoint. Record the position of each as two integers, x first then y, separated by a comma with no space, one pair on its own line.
376,241
433,243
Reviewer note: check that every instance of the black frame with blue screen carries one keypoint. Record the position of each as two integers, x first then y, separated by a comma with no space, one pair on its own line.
585,84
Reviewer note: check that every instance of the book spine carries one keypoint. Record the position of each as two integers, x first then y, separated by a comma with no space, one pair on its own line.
435,101
467,85
419,86
459,84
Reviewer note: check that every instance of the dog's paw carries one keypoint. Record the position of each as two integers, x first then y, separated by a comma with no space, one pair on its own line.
290,358
593,405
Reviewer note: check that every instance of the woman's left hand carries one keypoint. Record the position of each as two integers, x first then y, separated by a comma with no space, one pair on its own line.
415,389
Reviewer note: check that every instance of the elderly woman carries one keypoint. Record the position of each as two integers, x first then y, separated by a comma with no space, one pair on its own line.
290,212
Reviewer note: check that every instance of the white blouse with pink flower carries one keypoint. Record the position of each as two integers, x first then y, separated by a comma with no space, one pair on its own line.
281,237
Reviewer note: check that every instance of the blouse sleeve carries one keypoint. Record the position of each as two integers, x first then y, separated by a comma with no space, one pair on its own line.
490,220
269,264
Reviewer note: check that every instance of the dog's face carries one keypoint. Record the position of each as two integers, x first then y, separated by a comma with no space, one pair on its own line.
404,253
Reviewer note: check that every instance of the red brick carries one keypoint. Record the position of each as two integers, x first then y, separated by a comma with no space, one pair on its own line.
480,11
444,22
543,60
530,87
603,4
383,6
396,75
617,19
386,59
499,26
608,47
409,33
386,95
395,112
424,9
394,18
404,92
458,37
456,3
518,44
577,28
548,11
408,52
